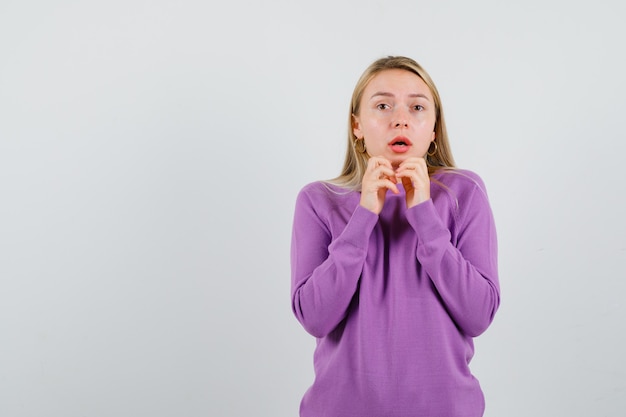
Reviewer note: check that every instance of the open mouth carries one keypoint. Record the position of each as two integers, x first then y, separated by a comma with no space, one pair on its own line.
400,141
400,144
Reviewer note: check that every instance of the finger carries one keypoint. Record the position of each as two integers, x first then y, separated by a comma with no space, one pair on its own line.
388,184
406,182
417,171
377,161
416,178
379,172
388,173
413,163
376,185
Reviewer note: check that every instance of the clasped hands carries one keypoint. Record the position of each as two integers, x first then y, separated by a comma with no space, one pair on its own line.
380,176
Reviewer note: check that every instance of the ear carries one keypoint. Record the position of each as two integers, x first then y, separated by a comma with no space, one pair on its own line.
356,126
432,139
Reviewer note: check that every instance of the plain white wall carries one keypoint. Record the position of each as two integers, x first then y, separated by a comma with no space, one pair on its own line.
151,152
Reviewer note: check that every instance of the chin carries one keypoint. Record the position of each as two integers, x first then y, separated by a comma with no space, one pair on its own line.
396,160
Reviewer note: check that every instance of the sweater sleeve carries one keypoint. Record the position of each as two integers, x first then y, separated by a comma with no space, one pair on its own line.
464,274
324,271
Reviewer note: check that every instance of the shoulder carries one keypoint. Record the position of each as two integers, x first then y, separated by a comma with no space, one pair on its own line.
461,181
323,193
325,188
461,191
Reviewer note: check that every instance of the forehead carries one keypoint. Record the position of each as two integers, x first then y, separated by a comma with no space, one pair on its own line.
397,82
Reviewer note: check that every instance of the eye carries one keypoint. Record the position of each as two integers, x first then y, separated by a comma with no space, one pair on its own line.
418,107
382,106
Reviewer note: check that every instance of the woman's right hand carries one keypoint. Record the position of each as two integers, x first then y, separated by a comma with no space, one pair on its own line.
378,178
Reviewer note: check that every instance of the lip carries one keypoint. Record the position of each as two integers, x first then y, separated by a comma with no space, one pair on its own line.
400,139
400,144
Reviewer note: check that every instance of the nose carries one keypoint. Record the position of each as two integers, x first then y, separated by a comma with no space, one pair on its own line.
401,119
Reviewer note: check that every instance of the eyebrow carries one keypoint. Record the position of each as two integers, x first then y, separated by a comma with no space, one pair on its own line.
386,94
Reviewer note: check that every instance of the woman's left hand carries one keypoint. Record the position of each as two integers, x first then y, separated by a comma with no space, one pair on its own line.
413,173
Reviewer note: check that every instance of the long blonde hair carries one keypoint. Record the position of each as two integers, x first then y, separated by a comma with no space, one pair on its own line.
355,161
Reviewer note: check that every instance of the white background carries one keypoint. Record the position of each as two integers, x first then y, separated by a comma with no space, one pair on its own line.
151,152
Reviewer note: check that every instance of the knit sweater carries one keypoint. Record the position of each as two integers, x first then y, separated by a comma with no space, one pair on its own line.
395,299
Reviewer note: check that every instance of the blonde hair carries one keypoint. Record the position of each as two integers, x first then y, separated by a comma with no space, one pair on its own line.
355,162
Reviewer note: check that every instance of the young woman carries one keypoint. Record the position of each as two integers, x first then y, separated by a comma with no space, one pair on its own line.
394,262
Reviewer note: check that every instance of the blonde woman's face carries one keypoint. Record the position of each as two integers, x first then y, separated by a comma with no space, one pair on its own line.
397,116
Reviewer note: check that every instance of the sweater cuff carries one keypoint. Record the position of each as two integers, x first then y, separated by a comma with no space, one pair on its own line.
425,220
359,227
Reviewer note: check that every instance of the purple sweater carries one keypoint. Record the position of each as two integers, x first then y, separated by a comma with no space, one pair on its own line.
395,299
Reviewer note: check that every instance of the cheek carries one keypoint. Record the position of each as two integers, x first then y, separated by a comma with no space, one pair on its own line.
422,145
427,130
426,121
372,125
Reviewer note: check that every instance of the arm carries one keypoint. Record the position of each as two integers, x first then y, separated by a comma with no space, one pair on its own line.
464,274
324,271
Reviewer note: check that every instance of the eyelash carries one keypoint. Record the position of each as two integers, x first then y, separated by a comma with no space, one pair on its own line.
384,106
